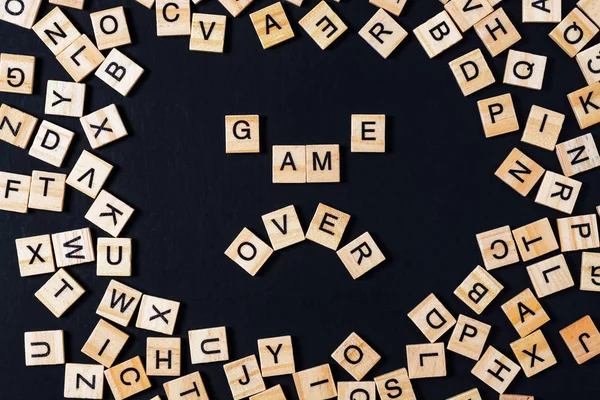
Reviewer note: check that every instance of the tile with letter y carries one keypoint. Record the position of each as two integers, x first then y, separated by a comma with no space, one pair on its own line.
315,383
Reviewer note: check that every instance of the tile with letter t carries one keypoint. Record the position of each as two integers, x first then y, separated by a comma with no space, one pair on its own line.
89,174
119,72
525,70
235,7
496,370
109,213
16,73
274,393
589,63
583,339
173,17
103,126
35,255
73,247
127,378
478,289
578,155
15,192
208,345
64,98
327,226
498,248
323,163
354,390
44,348
382,32
22,13
16,127
208,33
272,25
114,257
47,191
56,31
525,313
467,13
367,133
498,115
315,383
472,394
283,227
468,337
578,233
395,385
157,314
110,28
361,255
80,58
244,377
426,360
356,356
550,276
105,343
533,353
497,32
585,103
543,127
119,303
289,164
437,34
558,192
535,239
276,356
187,387
574,32
323,25
163,356
84,381
542,11
432,318
59,293
51,143
242,134
249,251
590,272
394,7
472,72
519,172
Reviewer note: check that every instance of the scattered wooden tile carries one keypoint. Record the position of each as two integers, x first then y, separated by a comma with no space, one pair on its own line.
208,345
471,71
354,390
394,7
574,32
64,98
15,188
323,163
588,63
56,31
519,172
59,293
23,13
591,8
323,25
157,314
103,126
208,33
578,233
382,32
80,58
44,348
498,248
478,289
578,155
274,393
558,192
327,226
110,28
16,127
47,191
283,227
426,360
590,272
525,69
235,7
437,34
51,143
498,115
535,239
533,353
244,377
114,257
497,32
583,339
16,73
173,17
525,313
356,356
127,378
472,394
361,255
89,174
77,4
148,4
242,134
119,72
163,356
515,397
432,318
368,132
544,11
182,388
272,25
119,303
297,3
496,370
105,343
35,255
84,381
395,385
467,13
73,247
289,164
109,213
249,251
468,337
543,127
276,356
550,276
585,103
315,383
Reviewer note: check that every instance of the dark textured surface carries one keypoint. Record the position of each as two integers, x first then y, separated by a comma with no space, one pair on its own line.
424,200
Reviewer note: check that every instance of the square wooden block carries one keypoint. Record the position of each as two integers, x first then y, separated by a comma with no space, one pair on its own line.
21,13
497,32
77,4
356,356
244,377
127,378
496,370
289,164
242,134
114,257
47,191
249,251
283,227
173,17
590,272
89,174
353,390
235,7
533,353
497,248
109,213
272,25
550,276
73,247
103,126
469,337
274,393
574,32
426,360
432,318
157,314
394,7
591,8
535,239
105,343
361,255
119,72
585,103
478,289
84,381
44,348
80,58
515,397
276,356
368,132
498,115
437,34
558,192
119,303
315,383
525,69
51,143
589,64
110,28
395,384
16,127
182,388
467,13
208,33
545,11
578,233
64,98
56,31
15,190
519,172
16,73
578,155
327,226
382,32
472,71
323,25
543,127
208,345
35,255
582,338
472,394
323,163
525,313
163,356
59,293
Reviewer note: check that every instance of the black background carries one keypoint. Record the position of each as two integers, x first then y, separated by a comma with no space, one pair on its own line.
423,200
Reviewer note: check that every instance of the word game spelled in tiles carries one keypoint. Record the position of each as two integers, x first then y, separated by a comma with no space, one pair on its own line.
535,239
352,390
583,339
558,192
249,251
367,133
84,381
44,348
432,318
590,272
64,98
242,134
395,385
323,25
394,7
542,11
283,227
235,7
383,33
497,248
173,17
274,393
51,143
478,289
525,69
56,31
356,356
80,58
119,72
426,360
47,191
208,33
16,73
467,13
525,313
437,34
186,386
543,127
574,32
110,28
23,14
315,383
103,126
276,356
208,345
472,72
496,370
519,172
105,343
585,103
472,394
272,25
89,174
127,378
119,303
35,255
244,377
533,353
289,164
15,188
468,337
497,32
498,115
588,61
109,213
323,163
73,247
327,226
16,127
550,276
361,255
114,257
578,155
163,356
578,233
157,314
59,293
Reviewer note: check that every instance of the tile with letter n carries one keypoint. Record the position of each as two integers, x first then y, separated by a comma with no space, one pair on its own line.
242,134
519,172
525,313
478,289
498,115
127,378
535,239
64,98
437,34
578,233
323,25
109,213
21,13
426,360
550,276
89,174
283,227
582,338
558,192
590,272
432,318
84,381
244,377
327,226
356,356
469,337
533,353
543,127
110,28
589,63
585,103
119,72
157,314
51,143
315,383
16,127
73,247
574,32
35,255
472,394
173,17
496,370
361,255
163,356
114,257
354,390
367,133
44,348
274,393
16,73
272,25
382,32
187,387
56,31
119,303
208,345
105,343
395,385
472,72
59,293
47,191
525,69
542,11
289,164
103,126
467,13
208,33
276,356
498,248
497,32
578,155
80,58
15,189
249,251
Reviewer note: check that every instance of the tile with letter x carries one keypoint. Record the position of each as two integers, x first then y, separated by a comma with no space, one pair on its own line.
356,356
35,255
468,337
315,383
44,348
208,345
89,174
395,384
84,381
426,360
583,339
496,370
73,247
64,98
16,127
109,213
519,172
535,239
578,155
103,126
550,276
163,356
478,289
590,272
187,387
437,34
498,115
498,248
578,233
497,32
119,303
249,251
323,25
244,377
276,356
525,313
105,343
533,353
361,255
127,378
60,292
327,226
119,72
585,103
80,58
157,314
432,318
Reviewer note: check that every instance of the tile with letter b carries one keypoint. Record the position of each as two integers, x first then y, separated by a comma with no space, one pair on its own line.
89,174
558,192
472,72
157,314
535,239
73,247
542,11
119,72
578,233
272,25
16,127
382,32
84,381
543,127
315,383
525,70
432,318
114,257
110,28
22,13
323,163
44,348
16,73
242,134
327,226
550,276
472,394
15,188
249,251
323,25
497,248
127,378
187,387
173,17
578,155
163,356
467,13
289,164
585,103
353,390
525,313
64,98
56,31
47,191
519,172
469,337
367,133
274,393
394,7
589,63
478,289
498,115
244,377
361,255
109,213
208,33
208,345
533,353
35,255
276,356
119,303
496,370
51,143
80,58
59,293
437,34
583,339
574,32
426,360
105,343
590,272
103,126
356,356
283,227
395,385
497,32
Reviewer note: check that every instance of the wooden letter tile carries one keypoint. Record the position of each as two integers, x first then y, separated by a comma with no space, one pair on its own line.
591,8
208,33
543,127
382,32
472,72
105,343
395,385
274,393
468,337
77,4
535,239
65,98
356,356
289,164
59,293
44,348
582,338
103,126
163,356
276,356
525,69
585,103
84,381
235,7
578,155
242,134
16,73
437,34
35,255
16,127
497,32
515,397
56,31
249,251
525,312
114,257
519,172
496,370
368,133
545,11
498,248
22,13
315,383
51,143
127,378
550,276
432,318
119,303
47,191
590,272
173,17
426,360
589,64
14,192
354,390
110,28
283,227
533,353
272,25
578,233
498,115
323,163
361,255
157,314
73,247
244,377
208,345
327,226
323,25
89,174
80,58
472,394
478,289
109,213
558,192
119,72
574,32
467,13
188,387
394,7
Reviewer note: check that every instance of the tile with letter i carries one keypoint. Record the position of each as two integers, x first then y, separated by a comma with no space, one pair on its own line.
496,370
315,383
105,343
